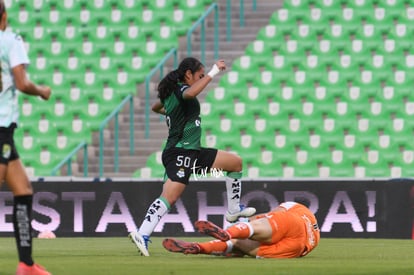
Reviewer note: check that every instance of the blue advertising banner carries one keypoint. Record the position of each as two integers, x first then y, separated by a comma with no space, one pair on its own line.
357,209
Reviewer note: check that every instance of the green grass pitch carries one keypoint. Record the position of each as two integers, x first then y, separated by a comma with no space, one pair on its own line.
118,256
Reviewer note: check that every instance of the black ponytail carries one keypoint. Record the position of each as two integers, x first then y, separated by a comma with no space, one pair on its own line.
171,81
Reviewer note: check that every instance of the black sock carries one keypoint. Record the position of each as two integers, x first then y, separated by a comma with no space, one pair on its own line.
22,217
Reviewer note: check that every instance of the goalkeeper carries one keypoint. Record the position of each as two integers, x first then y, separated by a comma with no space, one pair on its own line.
288,231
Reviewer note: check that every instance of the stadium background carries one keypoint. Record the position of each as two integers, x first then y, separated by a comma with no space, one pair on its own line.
320,89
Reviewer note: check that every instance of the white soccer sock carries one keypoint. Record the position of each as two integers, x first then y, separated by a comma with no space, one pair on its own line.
229,247
155,212
233,187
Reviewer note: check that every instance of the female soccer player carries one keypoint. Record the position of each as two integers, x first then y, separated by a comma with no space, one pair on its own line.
13,61
288,231
183,155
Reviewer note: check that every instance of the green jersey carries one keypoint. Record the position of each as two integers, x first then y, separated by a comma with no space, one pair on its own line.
183,120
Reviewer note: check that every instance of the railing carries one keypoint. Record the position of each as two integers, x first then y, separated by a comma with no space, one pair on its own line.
241,16
68,160
160,67
114,114
201,22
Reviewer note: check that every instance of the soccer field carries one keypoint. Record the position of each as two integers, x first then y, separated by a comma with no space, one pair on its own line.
100,256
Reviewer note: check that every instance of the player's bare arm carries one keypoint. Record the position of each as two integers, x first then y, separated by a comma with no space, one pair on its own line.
158,107
26,86
198,86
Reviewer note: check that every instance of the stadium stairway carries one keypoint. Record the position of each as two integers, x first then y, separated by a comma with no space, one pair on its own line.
229,50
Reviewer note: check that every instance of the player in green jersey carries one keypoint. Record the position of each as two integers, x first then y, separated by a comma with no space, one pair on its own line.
183,154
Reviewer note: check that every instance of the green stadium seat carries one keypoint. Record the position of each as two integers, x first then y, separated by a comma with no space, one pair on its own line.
154,167
402,171
272,35
378,169
230,123
283,16
193,8
154,159
344,169
77,123
273,170
218,101
245,67
232,82
220,95
148,20
180,20
149,172
315,19
255,100
296,4
24,138
306,170
162,8
269,82
259,51
166,37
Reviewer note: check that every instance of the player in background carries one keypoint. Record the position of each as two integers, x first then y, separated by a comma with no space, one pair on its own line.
183,154
288,231
13,62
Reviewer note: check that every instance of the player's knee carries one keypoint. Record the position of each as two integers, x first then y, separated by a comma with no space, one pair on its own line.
237,164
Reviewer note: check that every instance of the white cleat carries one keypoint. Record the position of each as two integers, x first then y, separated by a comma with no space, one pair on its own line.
244,212
141,242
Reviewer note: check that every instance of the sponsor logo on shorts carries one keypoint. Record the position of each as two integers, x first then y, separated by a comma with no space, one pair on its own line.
181,173
6,151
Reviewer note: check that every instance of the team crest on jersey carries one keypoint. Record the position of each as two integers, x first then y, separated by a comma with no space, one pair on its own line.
181,173
6,151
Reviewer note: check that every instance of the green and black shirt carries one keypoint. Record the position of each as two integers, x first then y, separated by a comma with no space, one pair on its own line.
183,120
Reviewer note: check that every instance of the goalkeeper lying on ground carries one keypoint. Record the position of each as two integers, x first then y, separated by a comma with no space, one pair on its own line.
288,231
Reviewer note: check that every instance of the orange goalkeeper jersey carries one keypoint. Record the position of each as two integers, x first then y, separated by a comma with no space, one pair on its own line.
295,232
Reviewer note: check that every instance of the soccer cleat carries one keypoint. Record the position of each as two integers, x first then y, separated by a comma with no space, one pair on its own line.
244,212
209,228
35,269
173,245
141,242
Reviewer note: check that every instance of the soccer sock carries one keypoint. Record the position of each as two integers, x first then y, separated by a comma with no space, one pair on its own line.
22,213
233,187
241,230
213,247
154,214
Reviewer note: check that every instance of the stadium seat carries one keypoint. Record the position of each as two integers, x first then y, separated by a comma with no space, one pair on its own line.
245,67
144,173
345,169
220,95
259,51
194,8
272,35
255,101
166,37
232,82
